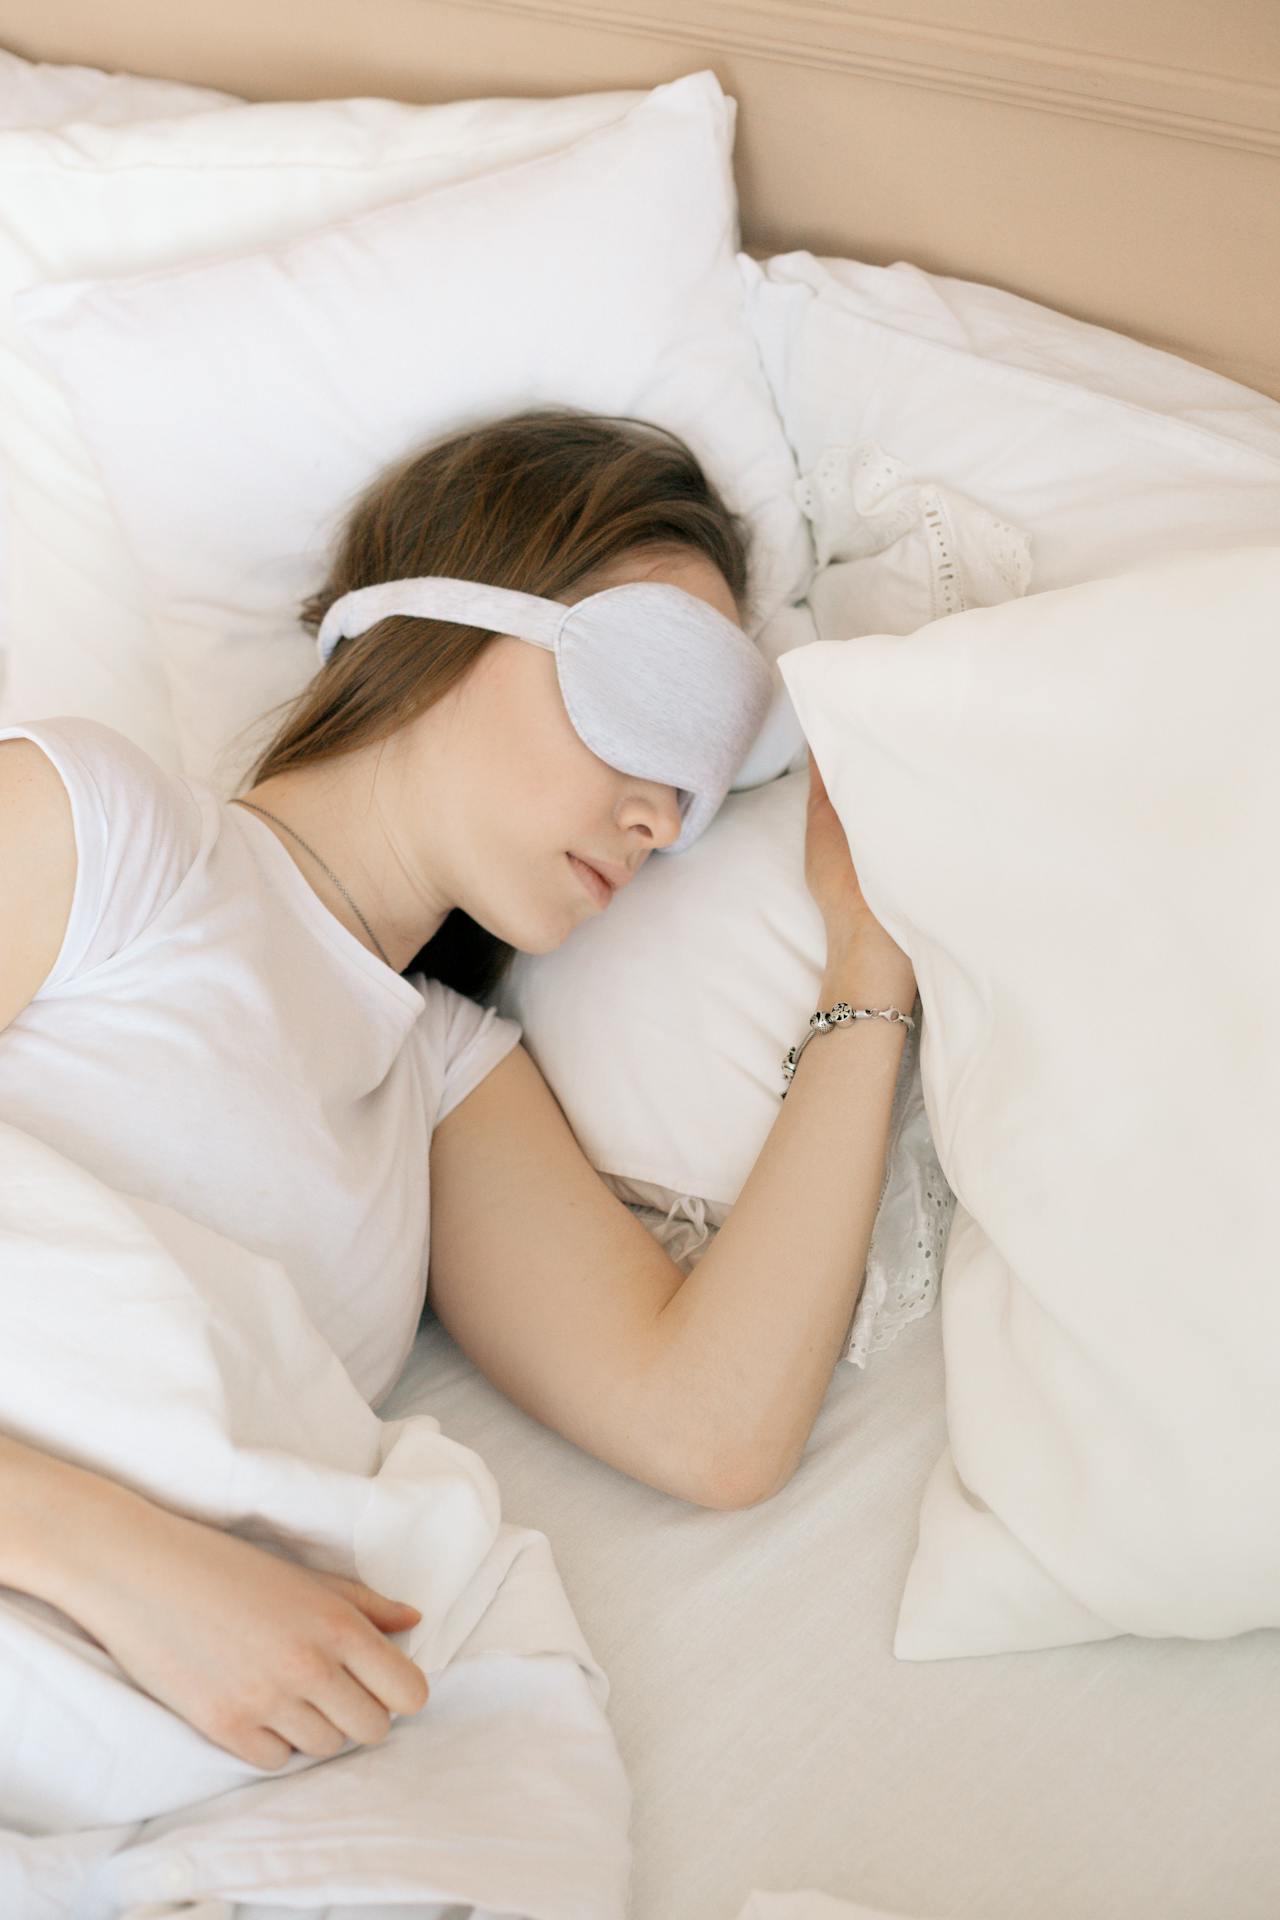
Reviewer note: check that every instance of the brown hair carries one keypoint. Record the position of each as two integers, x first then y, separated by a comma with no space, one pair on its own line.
536,501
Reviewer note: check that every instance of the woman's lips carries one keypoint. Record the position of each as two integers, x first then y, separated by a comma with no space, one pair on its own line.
595,884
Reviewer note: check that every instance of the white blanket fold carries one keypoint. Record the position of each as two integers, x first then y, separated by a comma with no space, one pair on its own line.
149,1348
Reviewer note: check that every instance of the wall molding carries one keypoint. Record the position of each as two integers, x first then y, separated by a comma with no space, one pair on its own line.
1082,82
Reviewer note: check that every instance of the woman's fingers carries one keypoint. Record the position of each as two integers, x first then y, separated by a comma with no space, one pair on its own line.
308,1730
393,1616
260,1748
352,1707
382,1670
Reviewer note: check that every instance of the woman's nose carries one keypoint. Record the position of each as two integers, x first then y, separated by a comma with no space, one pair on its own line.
668,816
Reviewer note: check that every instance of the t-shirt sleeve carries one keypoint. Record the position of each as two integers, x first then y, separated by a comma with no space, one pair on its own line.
470,1040
137,831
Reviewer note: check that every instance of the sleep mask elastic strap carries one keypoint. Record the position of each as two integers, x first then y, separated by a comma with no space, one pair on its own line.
437,597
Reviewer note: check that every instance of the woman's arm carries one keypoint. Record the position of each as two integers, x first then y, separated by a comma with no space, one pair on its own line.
762,1318
750,1340
704,1385
42,1499
259,1654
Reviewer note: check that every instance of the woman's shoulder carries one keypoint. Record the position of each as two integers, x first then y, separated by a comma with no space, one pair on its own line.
89,753
137,830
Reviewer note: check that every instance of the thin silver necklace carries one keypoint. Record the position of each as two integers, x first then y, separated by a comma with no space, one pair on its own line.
320,863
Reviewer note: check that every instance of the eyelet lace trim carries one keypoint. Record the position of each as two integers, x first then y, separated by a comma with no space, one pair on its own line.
912,1223
908,1237
860,500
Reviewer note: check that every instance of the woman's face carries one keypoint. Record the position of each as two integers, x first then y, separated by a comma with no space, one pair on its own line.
511,791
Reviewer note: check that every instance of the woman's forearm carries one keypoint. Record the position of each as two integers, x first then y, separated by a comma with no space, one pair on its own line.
53,1516
752,1335
258,1654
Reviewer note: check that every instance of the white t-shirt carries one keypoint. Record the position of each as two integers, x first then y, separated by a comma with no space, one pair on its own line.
213,1038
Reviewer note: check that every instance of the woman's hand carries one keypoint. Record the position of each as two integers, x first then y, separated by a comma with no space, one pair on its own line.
831,879
259,1654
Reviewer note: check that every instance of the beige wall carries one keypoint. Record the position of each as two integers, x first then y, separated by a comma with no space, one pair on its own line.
1118,161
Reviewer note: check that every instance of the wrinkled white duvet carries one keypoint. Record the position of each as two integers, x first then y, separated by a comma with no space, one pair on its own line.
138,1343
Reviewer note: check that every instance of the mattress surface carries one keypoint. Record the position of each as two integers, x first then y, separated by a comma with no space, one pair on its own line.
774,1742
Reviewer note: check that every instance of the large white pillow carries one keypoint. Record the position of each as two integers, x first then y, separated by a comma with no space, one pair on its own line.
47,93
1065,810
1108,453
235,407
977,321
128,198
36,93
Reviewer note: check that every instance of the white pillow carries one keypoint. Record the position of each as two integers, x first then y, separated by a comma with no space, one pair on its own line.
1064,809
46,93
236,406
1108,453
108,199
41,94
992,324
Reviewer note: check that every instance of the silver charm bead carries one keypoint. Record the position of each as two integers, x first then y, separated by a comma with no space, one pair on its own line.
839,1015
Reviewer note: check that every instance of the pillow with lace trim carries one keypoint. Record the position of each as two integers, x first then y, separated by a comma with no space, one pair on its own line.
1108,453
895,552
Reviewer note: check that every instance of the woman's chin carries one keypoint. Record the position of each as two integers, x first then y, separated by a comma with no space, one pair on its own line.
533,933
543,939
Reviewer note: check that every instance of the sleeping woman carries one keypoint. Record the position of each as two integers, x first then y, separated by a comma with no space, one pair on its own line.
268,1013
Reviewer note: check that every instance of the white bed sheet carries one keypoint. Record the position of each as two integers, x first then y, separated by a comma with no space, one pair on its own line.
773,1742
